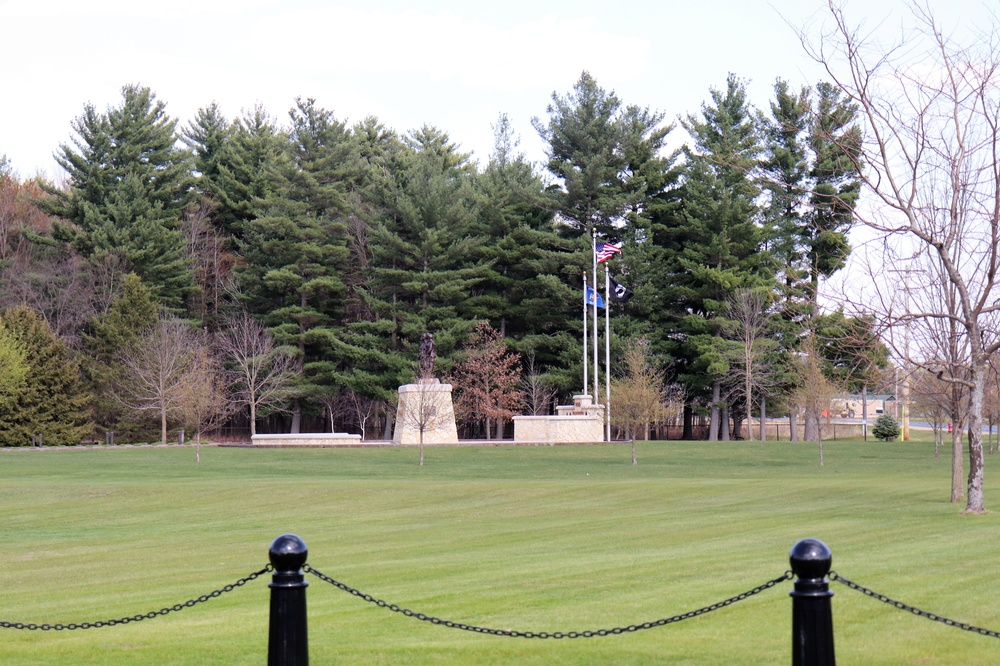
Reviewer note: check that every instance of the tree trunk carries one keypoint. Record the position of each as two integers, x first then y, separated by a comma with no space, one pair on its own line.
724,423
713,421
812,426
793,424
163,426
387,431
956,463
763,419
864,410
974,501
296,417
688,423
253,418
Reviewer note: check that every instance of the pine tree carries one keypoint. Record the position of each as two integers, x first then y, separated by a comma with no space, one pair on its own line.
811,182
711,244
835,140
51,403
531,288
424,257
128,185
294,252
585,136
811,178
208,136
236,163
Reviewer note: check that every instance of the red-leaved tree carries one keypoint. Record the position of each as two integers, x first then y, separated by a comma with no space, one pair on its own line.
487,382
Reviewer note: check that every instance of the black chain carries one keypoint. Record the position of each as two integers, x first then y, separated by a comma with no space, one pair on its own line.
545,634
137,618
910,609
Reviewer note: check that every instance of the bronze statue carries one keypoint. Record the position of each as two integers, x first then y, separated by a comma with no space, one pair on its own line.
425,361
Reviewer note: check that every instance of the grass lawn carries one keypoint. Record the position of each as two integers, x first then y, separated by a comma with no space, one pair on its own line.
532,539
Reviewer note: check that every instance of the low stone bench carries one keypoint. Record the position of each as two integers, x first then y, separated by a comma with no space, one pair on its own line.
314,439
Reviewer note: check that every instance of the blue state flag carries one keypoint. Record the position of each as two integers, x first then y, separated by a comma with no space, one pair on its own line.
591,295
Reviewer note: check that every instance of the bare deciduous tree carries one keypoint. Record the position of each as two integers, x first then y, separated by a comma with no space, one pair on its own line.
931,113
421,409
638,394
261,373
933,398
155,371
749,370
365,409
537,395
204,403
211,262
815,393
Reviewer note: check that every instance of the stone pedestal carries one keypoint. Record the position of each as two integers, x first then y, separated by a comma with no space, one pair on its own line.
425,404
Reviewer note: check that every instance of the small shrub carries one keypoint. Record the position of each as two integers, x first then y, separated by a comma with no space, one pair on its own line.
886,428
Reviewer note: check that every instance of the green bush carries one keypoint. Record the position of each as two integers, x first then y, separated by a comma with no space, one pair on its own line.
886,428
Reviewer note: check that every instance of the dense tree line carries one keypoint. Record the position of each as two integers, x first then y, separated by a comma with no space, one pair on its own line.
302,260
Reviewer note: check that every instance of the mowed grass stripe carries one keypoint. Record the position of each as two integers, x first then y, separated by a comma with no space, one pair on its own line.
525,538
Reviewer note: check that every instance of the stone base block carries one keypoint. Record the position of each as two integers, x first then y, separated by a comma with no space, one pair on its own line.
306,439
426,405
559,429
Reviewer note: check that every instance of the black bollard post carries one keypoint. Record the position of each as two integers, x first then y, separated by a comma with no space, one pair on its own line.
288,638
812,616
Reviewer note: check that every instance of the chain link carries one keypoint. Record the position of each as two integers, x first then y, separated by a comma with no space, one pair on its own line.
137,618
910,609
545,634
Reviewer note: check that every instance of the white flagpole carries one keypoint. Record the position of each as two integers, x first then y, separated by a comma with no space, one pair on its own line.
586,379
607,355
597,384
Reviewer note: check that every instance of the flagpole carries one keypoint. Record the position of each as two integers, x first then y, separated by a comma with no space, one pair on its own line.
586,379
607,355
597,385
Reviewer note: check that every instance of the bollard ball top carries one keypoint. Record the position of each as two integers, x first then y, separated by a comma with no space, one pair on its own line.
810,558
288,552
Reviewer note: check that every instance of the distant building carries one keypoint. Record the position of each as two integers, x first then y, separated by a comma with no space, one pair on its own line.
852,406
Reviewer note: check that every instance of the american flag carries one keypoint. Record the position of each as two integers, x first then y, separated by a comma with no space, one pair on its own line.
605,251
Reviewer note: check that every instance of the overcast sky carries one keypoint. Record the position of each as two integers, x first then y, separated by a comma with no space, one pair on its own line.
456,65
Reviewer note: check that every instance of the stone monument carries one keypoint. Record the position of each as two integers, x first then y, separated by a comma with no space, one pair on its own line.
425,405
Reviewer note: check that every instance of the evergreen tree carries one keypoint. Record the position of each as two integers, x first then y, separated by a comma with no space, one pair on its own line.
584,140
531,287
51,403
128,185
612,178
131,315
207,136
247,166
424,257
835,140
711,243
886,428
294,252
811,182
13,368
811,179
